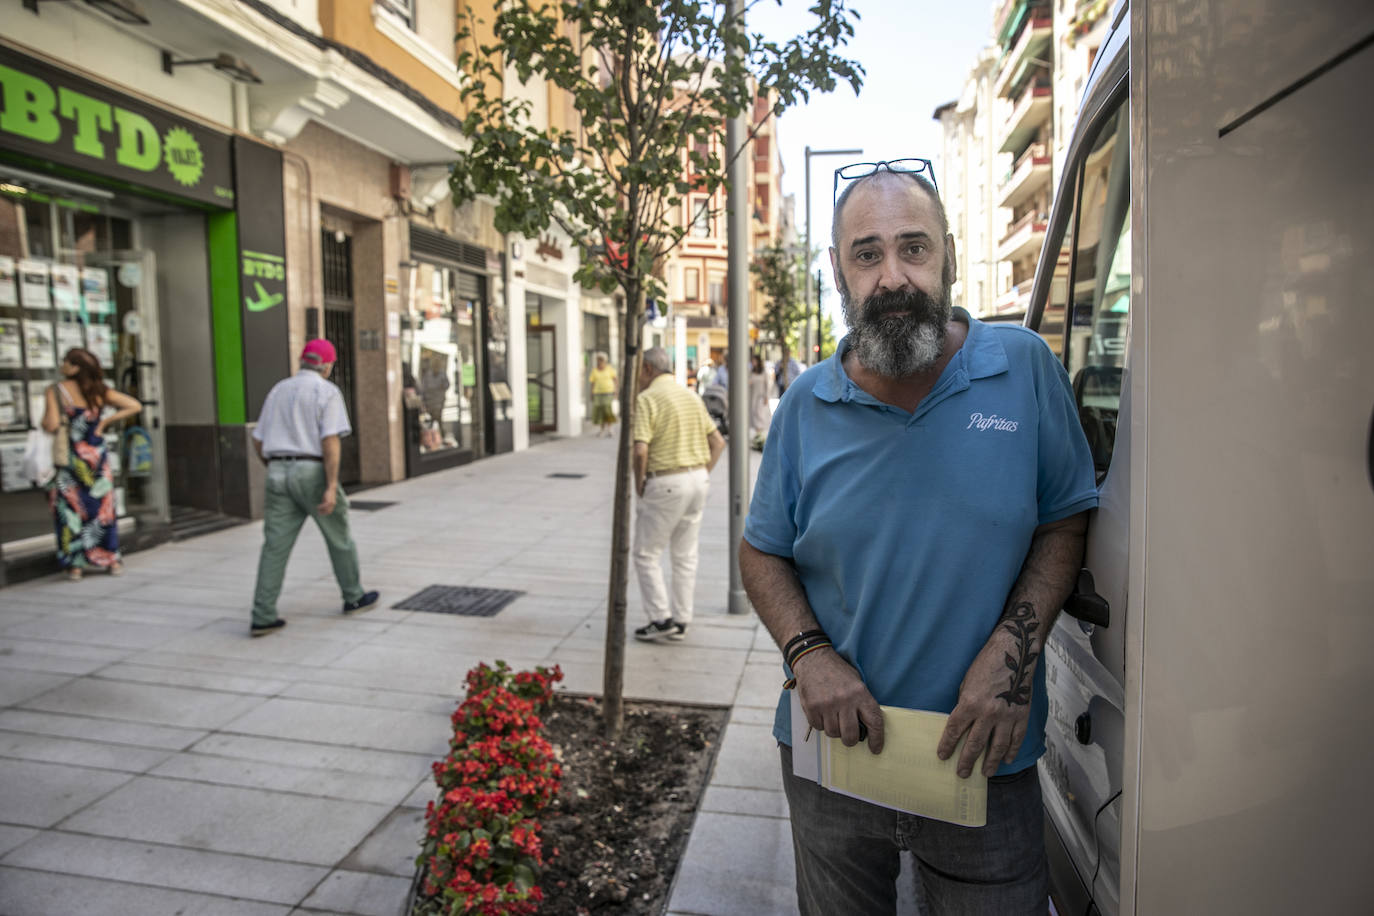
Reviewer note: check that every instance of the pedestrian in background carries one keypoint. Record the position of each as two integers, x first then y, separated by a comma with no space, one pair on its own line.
82,495
676,446
297,435
788,370
759,415
604,383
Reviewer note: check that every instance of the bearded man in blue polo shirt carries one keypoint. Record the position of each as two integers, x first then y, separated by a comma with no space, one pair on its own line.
921,506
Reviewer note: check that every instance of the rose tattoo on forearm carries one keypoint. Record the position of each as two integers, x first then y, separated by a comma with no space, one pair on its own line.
1019,620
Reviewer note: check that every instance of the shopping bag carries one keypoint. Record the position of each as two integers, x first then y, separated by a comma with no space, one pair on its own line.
38,453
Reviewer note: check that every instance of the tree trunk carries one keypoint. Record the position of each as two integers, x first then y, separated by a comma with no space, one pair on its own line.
613,685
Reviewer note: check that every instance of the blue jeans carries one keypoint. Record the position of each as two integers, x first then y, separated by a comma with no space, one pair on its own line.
848,852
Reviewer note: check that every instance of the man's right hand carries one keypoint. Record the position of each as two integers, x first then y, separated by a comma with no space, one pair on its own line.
835,700
326,506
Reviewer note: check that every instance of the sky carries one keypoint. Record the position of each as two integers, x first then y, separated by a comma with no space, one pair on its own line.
916,54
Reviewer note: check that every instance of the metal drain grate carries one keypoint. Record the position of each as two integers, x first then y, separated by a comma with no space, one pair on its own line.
564,475
368,505
459,599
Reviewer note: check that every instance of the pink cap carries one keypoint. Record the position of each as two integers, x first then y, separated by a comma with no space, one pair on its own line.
318,352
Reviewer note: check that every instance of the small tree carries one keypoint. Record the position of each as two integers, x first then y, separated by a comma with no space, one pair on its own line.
779,270
647,80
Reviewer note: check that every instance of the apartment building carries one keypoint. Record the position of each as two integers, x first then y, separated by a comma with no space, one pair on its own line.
696,272
193,188
1004,139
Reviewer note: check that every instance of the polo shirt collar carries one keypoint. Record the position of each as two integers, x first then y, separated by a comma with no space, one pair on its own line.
981,356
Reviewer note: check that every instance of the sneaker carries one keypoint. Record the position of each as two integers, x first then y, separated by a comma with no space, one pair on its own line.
661,629
366,601
262,629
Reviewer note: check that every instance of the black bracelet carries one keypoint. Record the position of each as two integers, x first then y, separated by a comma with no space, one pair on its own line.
805,634
806,646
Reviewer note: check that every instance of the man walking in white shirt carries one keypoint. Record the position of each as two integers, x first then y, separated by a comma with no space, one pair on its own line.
298,435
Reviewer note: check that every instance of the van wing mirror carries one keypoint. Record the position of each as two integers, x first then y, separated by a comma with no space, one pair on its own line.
1086,604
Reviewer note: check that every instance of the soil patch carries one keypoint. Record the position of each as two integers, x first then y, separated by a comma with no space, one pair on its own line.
621,820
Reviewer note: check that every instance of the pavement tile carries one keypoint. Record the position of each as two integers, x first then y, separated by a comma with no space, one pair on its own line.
76,752
490,641
231,820
168,866
753,715
391,848
737,865
756,802
223,683
13,837
316,756
91,630
34,794
18,685
348,695
352,726
230,639
748,758
250,774
760,685
36,893
361,893
56,657
110,731
153,703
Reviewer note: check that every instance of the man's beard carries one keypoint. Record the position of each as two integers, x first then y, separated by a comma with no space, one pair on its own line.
898,333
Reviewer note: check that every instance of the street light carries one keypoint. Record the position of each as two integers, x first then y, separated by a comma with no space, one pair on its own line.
806,302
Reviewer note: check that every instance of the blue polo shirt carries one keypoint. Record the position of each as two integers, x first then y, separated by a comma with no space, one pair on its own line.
908,530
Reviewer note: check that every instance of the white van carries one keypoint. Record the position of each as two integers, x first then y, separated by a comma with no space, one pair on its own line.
1211,737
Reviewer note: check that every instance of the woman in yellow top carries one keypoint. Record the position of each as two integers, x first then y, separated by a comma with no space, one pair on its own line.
603,379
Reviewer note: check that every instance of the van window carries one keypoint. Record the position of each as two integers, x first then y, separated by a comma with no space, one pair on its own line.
1099,286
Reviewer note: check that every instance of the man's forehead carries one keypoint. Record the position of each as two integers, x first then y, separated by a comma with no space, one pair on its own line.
884,199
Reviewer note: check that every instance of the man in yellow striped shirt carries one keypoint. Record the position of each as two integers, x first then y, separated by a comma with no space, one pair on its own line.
676,446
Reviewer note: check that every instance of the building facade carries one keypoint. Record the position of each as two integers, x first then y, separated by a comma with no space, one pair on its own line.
1004,140
192,189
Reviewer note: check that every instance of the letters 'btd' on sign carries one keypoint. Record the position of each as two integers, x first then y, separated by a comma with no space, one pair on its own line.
60,117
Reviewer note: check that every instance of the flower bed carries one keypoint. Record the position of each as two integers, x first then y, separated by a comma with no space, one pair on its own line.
482,852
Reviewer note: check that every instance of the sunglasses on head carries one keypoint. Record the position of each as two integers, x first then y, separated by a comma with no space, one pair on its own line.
898,166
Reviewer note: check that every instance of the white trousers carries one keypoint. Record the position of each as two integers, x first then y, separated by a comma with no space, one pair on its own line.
669,516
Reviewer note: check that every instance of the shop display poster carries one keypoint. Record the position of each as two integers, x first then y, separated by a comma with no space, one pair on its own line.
38,344
9,292
38,402
100,341
12,477
12,409
66,294
69,335
95,288
33,283
11,344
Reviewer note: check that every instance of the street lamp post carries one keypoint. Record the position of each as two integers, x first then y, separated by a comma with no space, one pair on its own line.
806,302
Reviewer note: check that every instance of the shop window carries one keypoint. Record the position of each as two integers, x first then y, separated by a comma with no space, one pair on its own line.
691,285
439,357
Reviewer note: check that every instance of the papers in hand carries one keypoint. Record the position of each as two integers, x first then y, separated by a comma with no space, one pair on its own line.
906,776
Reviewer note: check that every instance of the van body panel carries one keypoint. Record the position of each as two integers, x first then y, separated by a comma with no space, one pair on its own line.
1229,696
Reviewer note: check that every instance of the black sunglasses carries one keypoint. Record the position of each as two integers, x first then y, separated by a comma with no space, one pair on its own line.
898,166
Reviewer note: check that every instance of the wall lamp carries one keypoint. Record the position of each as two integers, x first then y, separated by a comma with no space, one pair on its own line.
126,11
224,62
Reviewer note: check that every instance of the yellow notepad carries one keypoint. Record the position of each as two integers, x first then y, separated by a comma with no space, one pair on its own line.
906,776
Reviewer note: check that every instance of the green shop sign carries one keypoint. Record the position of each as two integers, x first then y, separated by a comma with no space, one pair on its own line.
55,115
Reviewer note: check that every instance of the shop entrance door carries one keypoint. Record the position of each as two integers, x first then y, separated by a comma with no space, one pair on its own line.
541,368
122,330
337,261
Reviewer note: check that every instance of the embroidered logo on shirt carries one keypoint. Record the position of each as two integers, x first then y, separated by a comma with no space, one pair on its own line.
991,421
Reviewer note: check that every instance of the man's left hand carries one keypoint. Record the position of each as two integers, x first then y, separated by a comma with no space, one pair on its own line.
994,706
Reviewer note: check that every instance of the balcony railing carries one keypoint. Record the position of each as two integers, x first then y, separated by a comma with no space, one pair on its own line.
1027,114
1029,172
1029,49
1024,236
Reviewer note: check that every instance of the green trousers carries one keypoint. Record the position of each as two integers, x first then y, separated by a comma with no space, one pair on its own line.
294,491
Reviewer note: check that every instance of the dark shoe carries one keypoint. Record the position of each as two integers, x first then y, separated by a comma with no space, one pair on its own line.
366,601
262,629
661,629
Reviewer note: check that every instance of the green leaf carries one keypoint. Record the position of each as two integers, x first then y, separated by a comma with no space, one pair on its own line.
523,876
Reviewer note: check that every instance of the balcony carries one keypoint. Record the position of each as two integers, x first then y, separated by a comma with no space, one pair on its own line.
1028,113
1029,49
1025,237
1013,301
1030,173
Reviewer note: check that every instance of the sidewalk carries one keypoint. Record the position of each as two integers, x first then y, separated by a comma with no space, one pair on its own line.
157,760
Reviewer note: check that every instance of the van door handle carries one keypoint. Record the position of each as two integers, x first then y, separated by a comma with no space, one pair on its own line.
1086,604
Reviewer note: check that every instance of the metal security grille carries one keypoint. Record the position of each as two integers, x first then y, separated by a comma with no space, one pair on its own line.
368,505
337,260
426,241
565,475
459,599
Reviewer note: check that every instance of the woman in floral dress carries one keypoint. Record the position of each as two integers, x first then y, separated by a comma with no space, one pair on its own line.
82,494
